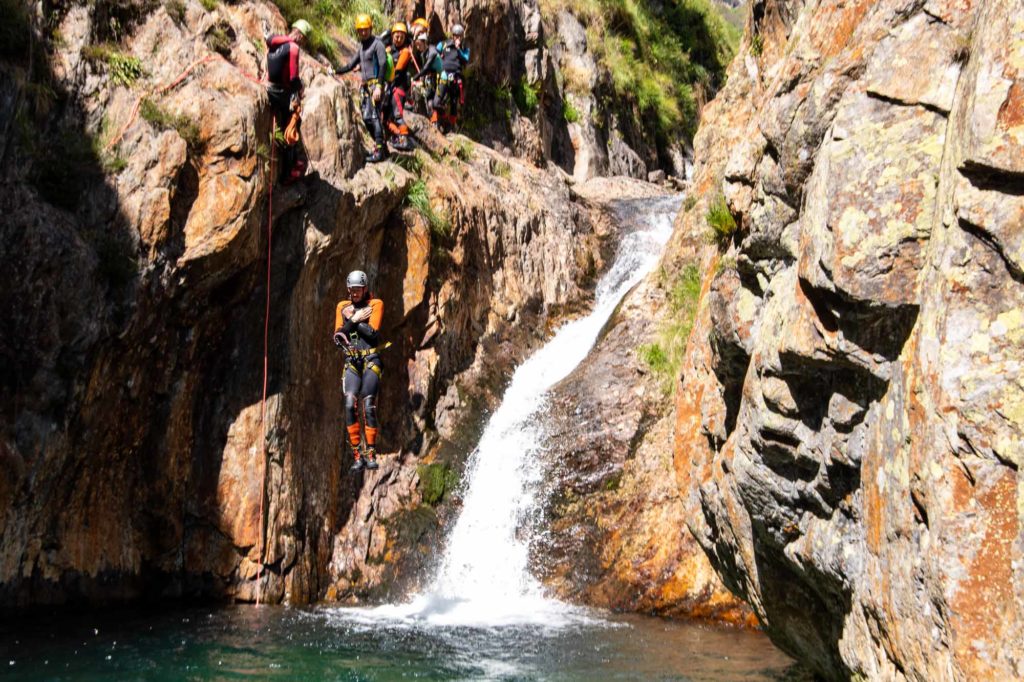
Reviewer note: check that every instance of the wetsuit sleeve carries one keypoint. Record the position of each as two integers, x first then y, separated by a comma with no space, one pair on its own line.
428,63
376,313
464,56
369,329
275,41
293,67
403,60
381,57
351,64
339,317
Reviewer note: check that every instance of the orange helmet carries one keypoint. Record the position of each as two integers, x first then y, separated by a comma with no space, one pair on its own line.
363,21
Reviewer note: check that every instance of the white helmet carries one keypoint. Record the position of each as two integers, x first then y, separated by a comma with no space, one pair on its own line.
356,278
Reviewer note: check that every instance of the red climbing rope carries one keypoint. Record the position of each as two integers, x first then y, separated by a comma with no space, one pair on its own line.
266,355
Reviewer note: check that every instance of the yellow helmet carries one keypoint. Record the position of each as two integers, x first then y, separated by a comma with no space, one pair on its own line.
363,21
421,23
399,27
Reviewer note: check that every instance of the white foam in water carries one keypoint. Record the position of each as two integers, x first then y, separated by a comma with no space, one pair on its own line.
483,579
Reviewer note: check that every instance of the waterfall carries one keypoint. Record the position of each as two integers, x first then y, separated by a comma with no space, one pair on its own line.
483,577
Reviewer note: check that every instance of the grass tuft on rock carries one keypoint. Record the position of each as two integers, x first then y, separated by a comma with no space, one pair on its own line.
526,96
123,69
161,119
418,199
665,356
721,222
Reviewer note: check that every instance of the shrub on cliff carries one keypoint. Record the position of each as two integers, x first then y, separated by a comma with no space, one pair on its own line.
721,222
665,356
657,57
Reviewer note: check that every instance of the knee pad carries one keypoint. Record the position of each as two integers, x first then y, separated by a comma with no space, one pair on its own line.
350,407
370,409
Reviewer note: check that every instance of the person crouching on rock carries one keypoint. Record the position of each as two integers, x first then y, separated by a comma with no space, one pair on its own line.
356,330
284,89
372,60
399,89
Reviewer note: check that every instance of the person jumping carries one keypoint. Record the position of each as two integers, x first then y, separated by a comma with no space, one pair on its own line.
357,331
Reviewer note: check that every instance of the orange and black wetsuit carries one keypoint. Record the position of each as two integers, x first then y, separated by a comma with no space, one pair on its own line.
362,367
400,87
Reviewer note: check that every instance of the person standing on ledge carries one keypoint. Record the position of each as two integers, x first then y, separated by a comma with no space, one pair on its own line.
357,331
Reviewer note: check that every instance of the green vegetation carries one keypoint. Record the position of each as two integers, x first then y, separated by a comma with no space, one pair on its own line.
328,16
164,120
209,5
123,69
176,10
665,356
658,55
419,200
723,225
220,38
689,202
464,150
411,162
436,480
569,112
756,44
526,96
501,169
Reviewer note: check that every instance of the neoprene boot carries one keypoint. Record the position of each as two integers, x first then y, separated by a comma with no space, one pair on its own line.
379,154
371,458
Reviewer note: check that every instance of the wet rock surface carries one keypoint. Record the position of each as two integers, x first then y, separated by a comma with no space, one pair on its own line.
848,421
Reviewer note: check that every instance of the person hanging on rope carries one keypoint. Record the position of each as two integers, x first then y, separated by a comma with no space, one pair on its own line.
284,88
376,69
357,332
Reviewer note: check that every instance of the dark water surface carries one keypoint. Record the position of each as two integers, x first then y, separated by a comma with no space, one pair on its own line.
244,642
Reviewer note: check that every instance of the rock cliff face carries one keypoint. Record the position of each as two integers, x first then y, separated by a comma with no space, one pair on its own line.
133,314
849,422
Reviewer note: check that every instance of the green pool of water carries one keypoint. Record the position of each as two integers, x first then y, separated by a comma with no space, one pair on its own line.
277,643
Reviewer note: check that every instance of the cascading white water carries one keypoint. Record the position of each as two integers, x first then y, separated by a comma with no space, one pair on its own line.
483,579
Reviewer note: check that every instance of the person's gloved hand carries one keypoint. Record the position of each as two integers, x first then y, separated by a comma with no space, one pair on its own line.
339,339
361,315
378,93
347,312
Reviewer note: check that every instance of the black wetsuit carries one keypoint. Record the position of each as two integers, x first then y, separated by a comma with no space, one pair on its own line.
371,59
284,86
